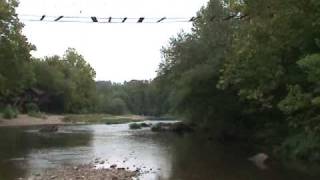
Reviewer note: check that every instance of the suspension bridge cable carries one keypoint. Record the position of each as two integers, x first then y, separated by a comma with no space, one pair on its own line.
96,19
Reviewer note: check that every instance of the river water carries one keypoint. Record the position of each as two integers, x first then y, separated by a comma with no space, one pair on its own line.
160,156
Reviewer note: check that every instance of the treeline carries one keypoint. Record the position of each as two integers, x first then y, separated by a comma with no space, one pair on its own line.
61,84
53,84
140,97
250,70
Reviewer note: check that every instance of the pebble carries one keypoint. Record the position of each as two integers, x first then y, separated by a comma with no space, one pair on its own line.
114,178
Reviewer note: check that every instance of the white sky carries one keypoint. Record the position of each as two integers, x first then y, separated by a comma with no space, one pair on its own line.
117,52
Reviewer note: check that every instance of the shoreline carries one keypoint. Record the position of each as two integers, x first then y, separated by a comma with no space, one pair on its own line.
88,172
26,120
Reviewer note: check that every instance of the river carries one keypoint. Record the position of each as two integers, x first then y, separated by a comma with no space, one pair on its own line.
161,156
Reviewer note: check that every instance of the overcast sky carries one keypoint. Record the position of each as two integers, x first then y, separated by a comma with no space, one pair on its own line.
117,52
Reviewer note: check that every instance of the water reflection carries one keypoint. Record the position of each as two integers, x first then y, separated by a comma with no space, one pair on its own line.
160,156
132,149
25,150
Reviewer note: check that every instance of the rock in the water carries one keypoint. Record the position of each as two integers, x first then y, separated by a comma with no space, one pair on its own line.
172,127
53,177
145,125
113,166
259,160
49,129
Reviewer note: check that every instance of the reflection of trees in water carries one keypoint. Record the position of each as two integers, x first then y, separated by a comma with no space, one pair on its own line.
197,158
40,140
17,143
10,170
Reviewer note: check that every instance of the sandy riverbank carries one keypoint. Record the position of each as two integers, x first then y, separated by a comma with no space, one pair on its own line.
25,120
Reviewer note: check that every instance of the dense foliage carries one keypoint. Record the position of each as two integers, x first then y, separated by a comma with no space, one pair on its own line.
191,68
136,97
66,83
251,66
15,70
55,84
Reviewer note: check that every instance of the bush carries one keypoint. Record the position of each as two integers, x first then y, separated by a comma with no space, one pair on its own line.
34,111
32,107
134,126
10,113
301,147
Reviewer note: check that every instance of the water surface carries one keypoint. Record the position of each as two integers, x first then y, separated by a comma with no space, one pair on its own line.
25,151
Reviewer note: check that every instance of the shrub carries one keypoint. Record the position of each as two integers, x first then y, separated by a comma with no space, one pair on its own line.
134,126
301,147
10,113
32,107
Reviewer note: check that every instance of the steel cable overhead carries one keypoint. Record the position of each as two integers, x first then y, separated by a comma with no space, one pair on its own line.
96,19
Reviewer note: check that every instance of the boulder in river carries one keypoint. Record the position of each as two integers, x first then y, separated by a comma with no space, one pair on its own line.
260,160
144,125
49,129
178,127
160,127
113,166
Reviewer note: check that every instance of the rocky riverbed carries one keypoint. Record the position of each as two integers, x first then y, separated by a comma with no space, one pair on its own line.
87,172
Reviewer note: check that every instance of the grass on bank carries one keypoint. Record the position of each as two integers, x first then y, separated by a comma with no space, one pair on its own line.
102,119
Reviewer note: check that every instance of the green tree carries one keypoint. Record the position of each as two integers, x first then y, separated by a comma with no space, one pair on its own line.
191,67
15,70
68,83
